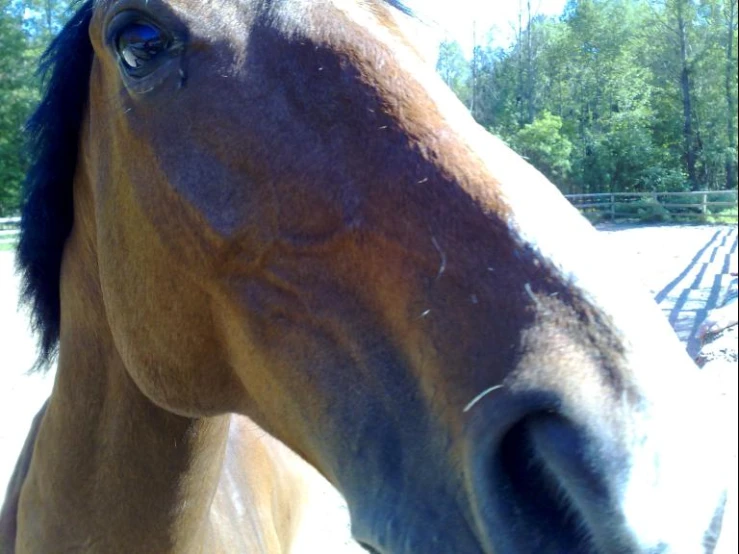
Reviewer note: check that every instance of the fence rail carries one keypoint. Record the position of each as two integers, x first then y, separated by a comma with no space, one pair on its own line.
654,206
9,229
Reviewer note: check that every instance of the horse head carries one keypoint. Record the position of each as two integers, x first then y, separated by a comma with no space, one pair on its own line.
280,211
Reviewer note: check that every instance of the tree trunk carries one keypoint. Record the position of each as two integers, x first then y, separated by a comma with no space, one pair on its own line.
688,136
48,8
731,168
529,66
520,92
473,96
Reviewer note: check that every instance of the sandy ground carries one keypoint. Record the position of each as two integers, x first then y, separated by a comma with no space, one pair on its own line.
683,266
21,395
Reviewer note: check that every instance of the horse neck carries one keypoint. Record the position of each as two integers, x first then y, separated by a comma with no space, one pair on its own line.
111,471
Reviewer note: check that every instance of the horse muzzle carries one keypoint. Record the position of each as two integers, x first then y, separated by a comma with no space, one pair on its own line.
537,482
546,484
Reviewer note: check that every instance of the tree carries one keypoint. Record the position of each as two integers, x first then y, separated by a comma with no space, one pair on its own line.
692,53
26,27
682,13
17,97
646,91
544,145
730,83
45,18
454,69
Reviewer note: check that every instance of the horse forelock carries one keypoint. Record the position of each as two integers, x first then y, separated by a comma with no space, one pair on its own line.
47,211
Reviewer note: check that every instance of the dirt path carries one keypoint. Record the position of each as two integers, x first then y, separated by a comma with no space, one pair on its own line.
686,268
21,395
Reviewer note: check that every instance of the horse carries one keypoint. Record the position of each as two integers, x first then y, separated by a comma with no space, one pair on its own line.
260,222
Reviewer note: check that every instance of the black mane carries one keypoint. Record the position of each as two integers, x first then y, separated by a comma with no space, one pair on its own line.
47,213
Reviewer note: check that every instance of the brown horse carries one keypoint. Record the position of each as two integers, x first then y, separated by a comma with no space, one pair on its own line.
273,208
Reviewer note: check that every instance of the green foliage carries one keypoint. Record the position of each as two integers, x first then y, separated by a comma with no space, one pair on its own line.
725,217
624,80
16,99
650,210
44,18
7,246
25,30
543,144
454,69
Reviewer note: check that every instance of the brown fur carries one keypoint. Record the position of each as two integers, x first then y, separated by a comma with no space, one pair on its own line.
300,225
9,513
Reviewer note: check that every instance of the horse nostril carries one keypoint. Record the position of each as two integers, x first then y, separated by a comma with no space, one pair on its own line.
564,452
540,469
543,487
549,486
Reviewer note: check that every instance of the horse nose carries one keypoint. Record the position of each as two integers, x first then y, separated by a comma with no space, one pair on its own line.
536,488
547,485
543,462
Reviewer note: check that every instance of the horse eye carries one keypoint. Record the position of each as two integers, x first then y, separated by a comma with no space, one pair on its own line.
140,43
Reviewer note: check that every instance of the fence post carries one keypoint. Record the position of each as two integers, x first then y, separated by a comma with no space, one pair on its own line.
613,207
704,198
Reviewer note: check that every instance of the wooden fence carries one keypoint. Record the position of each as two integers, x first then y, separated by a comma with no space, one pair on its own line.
9,229
654,206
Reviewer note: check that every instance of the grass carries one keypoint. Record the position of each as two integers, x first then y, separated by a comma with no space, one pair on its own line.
7,246
724,216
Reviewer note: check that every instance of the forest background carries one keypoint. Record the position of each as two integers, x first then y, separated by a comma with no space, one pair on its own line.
608,96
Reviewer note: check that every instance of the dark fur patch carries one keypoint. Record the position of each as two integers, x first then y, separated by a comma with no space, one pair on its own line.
47,214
